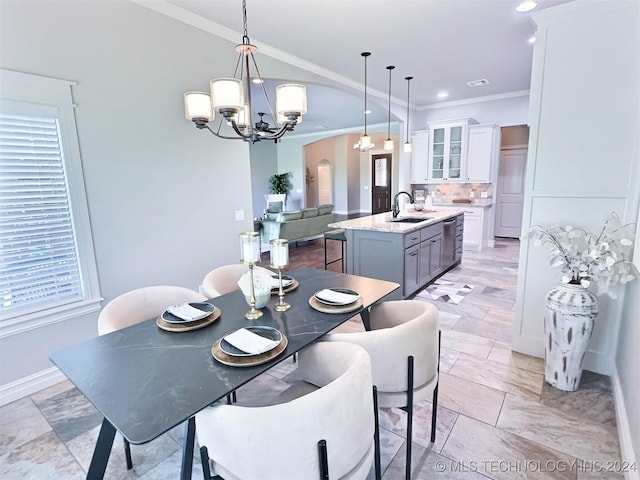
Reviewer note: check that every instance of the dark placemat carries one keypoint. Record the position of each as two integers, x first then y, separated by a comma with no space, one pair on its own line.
321,307
188,326
232,361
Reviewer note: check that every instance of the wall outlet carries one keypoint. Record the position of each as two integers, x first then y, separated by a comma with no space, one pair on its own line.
484,195
239,215
298,190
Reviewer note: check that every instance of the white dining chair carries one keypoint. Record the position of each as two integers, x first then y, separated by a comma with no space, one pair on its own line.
136,306
224,279
404,346
327,433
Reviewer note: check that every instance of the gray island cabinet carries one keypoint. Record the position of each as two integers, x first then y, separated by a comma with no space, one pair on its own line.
412,250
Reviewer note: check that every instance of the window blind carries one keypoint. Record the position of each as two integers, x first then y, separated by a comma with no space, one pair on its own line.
38,253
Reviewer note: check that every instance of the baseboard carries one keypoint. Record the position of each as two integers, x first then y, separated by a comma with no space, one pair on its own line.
624,433
26,386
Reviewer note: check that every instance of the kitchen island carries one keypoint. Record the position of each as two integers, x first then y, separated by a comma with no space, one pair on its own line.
412,250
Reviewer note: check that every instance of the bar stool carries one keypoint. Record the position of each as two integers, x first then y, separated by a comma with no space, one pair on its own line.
339,236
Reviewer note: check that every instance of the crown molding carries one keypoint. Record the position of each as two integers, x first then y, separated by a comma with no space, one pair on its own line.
467,101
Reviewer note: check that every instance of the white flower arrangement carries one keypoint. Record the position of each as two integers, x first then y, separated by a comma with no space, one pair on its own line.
588,259
262,282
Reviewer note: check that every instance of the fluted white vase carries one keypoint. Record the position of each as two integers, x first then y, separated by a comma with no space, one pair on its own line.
568,324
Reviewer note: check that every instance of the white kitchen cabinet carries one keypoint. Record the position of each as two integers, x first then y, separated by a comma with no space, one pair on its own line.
419,156
482,153
477,225
472,238
448,150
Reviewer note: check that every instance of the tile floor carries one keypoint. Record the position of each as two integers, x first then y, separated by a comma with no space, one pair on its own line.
496,417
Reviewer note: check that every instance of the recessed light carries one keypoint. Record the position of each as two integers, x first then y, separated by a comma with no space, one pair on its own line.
526,5
532,39
478,83
367,112
443,94
257,80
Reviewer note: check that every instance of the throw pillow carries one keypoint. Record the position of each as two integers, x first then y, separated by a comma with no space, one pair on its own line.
309,212
325,209
274,207
287,216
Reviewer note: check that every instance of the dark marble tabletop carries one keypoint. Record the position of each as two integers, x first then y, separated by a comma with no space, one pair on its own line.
146,381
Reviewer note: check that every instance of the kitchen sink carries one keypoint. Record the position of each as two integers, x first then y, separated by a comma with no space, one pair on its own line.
410,219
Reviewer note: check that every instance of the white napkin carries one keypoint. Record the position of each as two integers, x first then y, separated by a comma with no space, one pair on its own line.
186,312
250,342
285,282
336,297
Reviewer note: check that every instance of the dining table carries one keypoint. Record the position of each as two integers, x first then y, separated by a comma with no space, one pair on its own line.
145,380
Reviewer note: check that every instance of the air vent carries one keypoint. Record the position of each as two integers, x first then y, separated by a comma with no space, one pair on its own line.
478,83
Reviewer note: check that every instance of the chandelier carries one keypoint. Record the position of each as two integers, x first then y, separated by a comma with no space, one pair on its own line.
365,140
231,99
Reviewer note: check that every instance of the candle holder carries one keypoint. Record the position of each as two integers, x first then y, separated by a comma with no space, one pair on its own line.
250,255
279,259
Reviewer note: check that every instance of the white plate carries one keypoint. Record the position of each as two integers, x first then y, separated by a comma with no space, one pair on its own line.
286,281
337,303
264,331
206,308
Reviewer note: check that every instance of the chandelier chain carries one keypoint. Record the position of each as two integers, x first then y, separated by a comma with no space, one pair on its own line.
245,35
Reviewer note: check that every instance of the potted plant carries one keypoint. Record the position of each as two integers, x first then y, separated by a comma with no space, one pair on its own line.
280,183
587,261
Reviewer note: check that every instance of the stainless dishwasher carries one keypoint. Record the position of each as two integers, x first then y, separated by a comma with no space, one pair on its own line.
449,242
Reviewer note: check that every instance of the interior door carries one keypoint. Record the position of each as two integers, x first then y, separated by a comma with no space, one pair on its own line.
324,184
510,192
381,181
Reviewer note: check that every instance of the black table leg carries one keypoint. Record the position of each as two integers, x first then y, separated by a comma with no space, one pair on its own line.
102,451
364,314
187,449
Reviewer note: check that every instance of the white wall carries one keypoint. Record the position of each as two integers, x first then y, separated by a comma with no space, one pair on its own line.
161,194
264,163
508,111
627,358
584,116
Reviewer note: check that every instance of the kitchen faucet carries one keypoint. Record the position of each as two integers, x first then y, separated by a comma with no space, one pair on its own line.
396,208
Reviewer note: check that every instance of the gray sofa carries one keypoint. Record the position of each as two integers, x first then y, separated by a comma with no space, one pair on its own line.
297,224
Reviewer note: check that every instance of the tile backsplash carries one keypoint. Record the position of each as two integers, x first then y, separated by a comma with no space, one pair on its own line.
446,192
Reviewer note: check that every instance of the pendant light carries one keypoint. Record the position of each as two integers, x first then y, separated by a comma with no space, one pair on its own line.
407,143
365,140
388,143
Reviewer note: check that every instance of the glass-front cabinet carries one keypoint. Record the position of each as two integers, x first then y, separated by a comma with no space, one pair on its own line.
447,150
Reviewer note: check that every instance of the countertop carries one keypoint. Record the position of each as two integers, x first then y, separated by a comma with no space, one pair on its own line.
484,204
381,222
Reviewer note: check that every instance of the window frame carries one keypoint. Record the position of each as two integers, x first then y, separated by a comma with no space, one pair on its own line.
38,90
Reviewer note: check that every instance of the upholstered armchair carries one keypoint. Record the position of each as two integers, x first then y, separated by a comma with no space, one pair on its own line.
329,431
404,347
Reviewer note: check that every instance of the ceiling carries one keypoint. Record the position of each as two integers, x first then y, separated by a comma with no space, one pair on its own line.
443,44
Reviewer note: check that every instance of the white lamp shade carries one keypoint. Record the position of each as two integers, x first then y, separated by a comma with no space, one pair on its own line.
197,105
241,117
388,144
407,147
291,97
365,141
227,93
